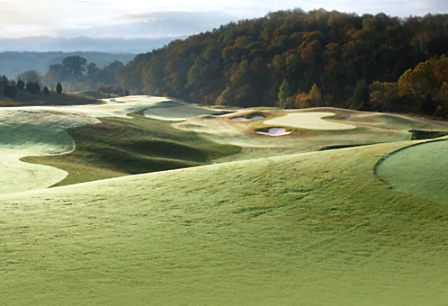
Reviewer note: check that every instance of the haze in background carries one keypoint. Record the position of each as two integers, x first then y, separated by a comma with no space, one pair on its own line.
135,26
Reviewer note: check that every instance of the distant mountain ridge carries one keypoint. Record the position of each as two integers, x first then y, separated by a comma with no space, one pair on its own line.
13,63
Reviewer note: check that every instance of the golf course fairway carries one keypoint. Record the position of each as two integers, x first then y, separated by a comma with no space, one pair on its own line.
279,223
314,229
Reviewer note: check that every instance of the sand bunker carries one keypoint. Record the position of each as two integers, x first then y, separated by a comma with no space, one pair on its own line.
275,132
248,119
311,121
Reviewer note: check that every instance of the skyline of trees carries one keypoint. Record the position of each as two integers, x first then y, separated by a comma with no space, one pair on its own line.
290,59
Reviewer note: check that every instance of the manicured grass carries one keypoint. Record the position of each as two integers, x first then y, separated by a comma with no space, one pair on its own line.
421,170
318,228
122,146
304,229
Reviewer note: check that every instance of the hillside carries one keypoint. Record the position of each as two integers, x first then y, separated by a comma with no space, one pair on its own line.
318,227
295,59
345,209
25,98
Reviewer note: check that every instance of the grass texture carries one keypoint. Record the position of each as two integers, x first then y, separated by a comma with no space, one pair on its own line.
304,229
25,98
123,146
421,170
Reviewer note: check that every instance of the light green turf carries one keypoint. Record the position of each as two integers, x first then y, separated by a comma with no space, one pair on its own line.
135,145
421,170
176,111
309,120
306,229
372,128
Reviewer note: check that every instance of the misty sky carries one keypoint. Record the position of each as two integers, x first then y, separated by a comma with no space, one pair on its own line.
137,20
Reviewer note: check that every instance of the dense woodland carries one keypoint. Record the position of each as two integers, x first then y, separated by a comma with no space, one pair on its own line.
294,59
289,59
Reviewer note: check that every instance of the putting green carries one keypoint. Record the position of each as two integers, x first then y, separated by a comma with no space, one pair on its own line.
310,121
178,112
421,170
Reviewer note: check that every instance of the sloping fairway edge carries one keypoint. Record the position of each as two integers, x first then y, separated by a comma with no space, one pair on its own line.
123,146
305,229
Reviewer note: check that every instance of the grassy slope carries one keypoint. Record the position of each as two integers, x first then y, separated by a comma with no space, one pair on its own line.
407,170
93,94
25,98
121,146
307,229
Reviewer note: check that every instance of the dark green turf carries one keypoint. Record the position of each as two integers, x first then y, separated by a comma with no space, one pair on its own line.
25,98
121,146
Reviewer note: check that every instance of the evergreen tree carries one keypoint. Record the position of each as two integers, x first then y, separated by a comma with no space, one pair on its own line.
4,81
20,84
59,88
361,97
7,90
36,87
46,91
428,106
283,93
315,97
13,92
29,87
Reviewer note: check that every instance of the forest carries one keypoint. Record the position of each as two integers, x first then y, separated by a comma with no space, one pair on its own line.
297,59
287,59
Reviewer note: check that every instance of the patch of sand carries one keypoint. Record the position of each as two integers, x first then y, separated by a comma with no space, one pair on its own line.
311,121
275,132
248,119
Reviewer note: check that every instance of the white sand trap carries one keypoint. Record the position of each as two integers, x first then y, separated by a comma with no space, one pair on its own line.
311,121
177,113
42,130
275,132
246,119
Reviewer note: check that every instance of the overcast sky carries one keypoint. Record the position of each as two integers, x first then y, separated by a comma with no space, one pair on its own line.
137,20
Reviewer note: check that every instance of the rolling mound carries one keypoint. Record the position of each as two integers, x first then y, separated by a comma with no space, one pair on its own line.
42,130
372,128
319,228
421,170
124,146
281,225
176,111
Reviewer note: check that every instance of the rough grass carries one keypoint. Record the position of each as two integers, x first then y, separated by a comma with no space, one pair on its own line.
25,98
93,94
305,229
122,146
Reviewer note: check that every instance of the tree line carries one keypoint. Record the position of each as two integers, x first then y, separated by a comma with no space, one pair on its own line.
73,74
77,75
10,88
295,59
